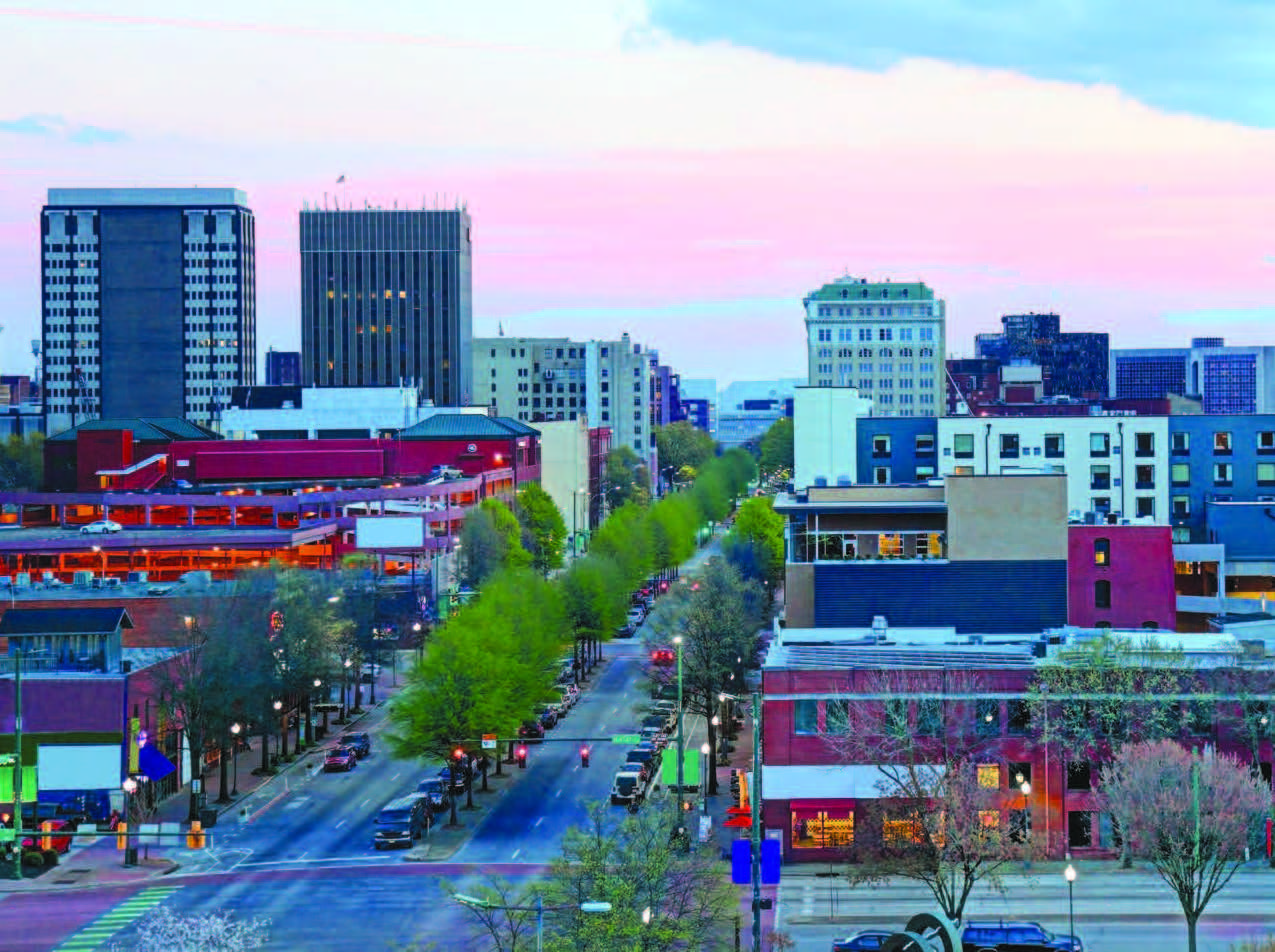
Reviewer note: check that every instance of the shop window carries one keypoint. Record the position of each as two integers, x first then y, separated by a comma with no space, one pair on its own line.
989,775
899,832
1079,775
1020,717
929,717
1079,829
987,717
814,829
805,717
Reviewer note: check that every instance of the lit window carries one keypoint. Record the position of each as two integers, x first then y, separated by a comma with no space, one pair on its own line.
989,775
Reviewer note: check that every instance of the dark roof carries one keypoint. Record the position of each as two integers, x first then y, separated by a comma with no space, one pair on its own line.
459,426
146,429
265,398
63,621
1237,618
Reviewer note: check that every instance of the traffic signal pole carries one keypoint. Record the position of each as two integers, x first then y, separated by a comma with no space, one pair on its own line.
755,794
16,872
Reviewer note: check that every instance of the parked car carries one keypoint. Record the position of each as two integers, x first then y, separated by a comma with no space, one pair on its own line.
655,736
437,789
60,843
659,721
629,785
568,694
636,616
361,741
457,783
625,631
402,821
531,730
102,526
866,941
547,716
1011,936
340,758
667,708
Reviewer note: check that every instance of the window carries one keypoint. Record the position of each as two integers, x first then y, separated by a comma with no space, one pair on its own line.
1266,474
821,829
1221,474
987,717
881,475
1144,444
1180,444
929,717
963,445
881,445
1266,442
1099,444
1099,477
1020,772
1222,442
1102,593
1079,775
1079,827
924,443
1180,474
1101,551
897,832
924,472
1009,446
1144,477
1181,507
805,717
1020,719
1054,445
1144,507
989,775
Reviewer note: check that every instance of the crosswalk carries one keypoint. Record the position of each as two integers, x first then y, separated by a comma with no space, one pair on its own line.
102,929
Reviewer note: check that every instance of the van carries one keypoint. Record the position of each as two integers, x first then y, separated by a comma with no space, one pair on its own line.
402,821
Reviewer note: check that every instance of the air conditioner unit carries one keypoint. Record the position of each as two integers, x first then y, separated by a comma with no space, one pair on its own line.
548,375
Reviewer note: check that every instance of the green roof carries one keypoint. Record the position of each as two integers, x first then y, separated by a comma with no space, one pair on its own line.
852,289
147,429
461,426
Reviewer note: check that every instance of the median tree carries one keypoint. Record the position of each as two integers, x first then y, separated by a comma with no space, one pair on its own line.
544,534
1187,813
683,448
490,539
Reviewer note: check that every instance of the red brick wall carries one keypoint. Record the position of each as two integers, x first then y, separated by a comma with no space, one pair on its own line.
1140,570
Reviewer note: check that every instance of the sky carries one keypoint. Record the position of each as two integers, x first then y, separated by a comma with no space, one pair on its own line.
687,170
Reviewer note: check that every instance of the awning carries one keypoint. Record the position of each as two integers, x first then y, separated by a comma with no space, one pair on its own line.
820,804
152,764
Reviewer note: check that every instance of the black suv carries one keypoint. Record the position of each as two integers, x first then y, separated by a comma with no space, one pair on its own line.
360,741
1002,936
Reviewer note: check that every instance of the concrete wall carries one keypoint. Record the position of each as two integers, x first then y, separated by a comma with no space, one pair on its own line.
1007,518
564,470
824,443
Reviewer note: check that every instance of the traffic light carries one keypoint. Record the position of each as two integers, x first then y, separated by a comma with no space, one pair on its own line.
195,836
458,754
584,756
522,757
121,836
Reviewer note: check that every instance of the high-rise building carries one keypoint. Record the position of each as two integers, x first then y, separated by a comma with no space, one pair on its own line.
149,302
386,300
698,397
283,368
537,379
746,409
1072,364
1224,379
885,339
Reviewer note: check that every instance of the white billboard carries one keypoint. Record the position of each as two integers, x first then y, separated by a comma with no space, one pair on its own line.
389,532
78,767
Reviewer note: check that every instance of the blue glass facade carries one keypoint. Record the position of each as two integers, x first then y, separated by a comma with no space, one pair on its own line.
896,449
1150,376
1223,458
698,411
1230,383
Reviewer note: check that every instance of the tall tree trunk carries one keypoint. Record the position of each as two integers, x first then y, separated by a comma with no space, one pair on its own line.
196,773
265,742
222,771
712,756
283,733
1191,922
309,728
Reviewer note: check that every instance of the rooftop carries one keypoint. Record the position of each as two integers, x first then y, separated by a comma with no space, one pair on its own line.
150,429
63,621
860,289
148,196
454,426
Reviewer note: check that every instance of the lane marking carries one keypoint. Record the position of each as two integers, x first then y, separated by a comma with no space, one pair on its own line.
558,794
339,825
516,852
114,920
365,803
538,821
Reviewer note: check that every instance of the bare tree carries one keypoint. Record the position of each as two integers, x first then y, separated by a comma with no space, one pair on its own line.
1187,813
506,914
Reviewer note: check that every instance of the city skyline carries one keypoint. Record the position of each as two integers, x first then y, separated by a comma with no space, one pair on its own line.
619,179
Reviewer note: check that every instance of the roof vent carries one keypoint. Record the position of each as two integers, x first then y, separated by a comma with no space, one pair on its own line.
879,629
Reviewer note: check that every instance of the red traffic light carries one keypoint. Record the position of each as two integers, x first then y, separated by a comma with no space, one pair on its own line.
458,753
522,751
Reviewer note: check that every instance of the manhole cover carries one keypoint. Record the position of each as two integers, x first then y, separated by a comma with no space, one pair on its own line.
70,880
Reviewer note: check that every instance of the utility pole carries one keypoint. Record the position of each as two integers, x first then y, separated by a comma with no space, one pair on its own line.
17,765
680,757
756,832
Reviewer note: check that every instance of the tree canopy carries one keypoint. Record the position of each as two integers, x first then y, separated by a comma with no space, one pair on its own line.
755,544
490,540
683,448
544,532
777,447
627,479
22,462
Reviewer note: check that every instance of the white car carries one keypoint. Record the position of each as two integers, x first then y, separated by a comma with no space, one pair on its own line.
99,527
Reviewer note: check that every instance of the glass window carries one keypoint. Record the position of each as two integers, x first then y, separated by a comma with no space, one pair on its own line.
987,716
1009,446
1180,474
1222,442
989,775
1144,476
1102,593
1180,443
881,445
1222,474
805,717
1101,551
1020,721
1266,441
963,445
822,829
901,831
1266,474
925,442
929,717
1144,507
1099,444
1054,445
1144,444
1181,507
1099,477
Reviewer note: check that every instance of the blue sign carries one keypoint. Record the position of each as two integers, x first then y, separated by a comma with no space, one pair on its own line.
741,862
770,860
151,763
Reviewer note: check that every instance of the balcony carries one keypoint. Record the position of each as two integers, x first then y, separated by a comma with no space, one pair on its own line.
860,546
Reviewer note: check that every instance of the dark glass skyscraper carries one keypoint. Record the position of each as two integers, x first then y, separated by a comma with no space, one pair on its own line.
386,300
1072,364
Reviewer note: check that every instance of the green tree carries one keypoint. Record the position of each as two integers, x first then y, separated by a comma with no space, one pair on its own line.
304,641
627,479
491,539
595,600
683,448
625,539
22,462
777,447
755,544
544,530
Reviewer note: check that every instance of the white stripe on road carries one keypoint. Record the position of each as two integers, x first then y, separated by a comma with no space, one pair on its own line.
339,825
538,821
365,803
516,852
558,794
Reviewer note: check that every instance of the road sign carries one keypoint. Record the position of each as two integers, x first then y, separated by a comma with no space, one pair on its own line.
326,708
489,741
626,739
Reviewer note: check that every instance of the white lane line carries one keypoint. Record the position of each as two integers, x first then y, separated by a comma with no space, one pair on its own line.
558,794
365,803
516,852
339,825
304,855
397,775
539,820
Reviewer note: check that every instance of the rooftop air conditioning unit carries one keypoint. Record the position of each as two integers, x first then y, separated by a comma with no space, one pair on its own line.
879,628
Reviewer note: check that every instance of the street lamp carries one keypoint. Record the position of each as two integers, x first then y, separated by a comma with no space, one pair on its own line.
677,640
278,708
345,674
754,794
235,728
704,751
1069,874
130,851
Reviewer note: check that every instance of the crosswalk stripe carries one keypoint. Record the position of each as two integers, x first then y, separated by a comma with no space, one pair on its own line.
114,920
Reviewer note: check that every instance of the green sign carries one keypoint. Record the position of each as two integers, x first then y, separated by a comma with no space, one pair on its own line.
690,767
626,739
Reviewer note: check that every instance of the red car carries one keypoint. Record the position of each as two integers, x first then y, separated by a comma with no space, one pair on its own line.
663,656
340,758
60,843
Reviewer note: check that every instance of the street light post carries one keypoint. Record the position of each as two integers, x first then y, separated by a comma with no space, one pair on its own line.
474,902
278,750
704,751
677,640
235,728
130,851
1025,788
1070,875
754,794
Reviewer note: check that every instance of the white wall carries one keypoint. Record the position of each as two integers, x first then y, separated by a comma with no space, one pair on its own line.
1076,462
824,423
564,469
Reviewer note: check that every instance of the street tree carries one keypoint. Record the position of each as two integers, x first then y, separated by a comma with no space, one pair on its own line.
22,462
683,448
164,930
544,533
504,912
627,479
305,630
1187,813
671,526
755,544
940,817
625,539
717,617
491,539
595,600
777,447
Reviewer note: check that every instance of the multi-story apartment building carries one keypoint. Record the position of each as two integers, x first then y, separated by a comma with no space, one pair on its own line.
283,368
1225,379
387,300
1217,459
1117,467
883,338
537,379
148,302
1072,364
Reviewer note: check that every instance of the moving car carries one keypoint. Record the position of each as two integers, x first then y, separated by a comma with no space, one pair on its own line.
361,741
402,821
866,941
636,616
663,657
1011,936
626,630
629,785
100,527
340,758
436,788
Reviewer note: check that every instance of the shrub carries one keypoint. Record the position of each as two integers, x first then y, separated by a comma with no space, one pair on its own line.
50,857
34,859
